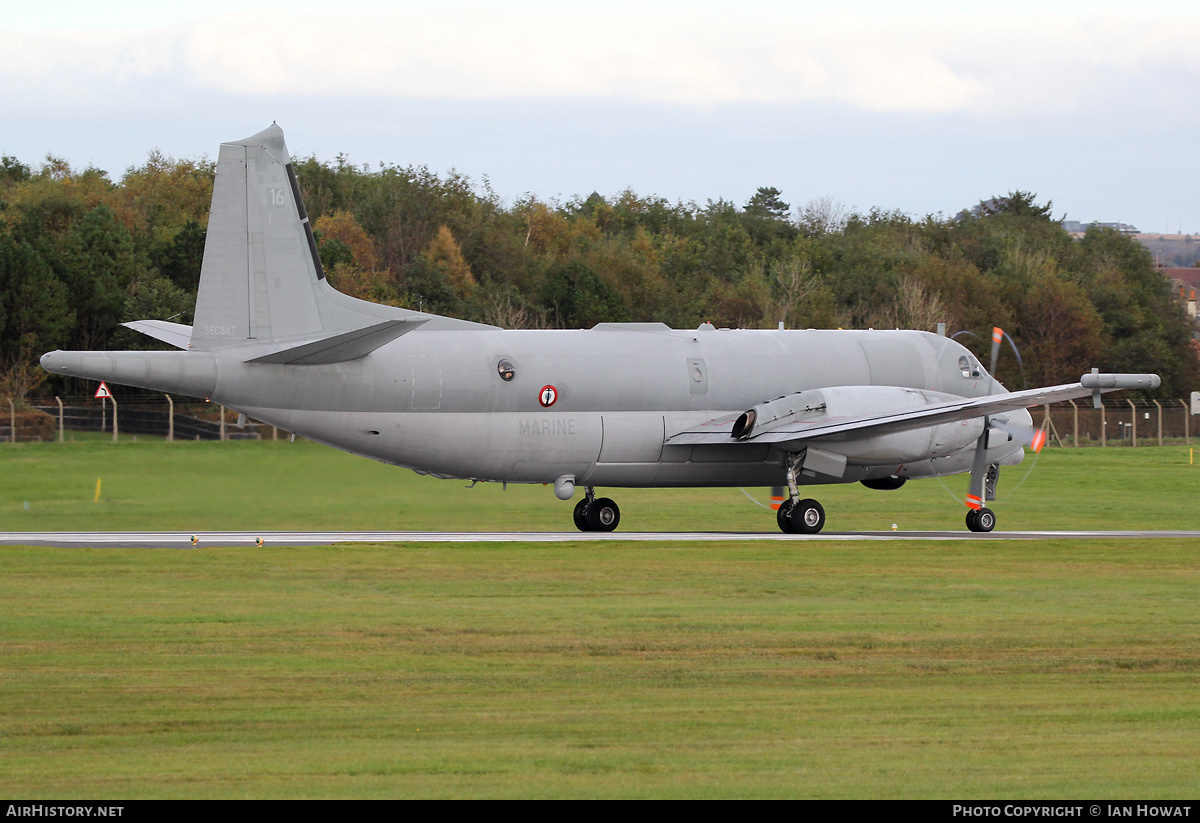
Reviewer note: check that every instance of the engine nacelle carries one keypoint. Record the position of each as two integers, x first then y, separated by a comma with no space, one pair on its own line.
768,416
894,448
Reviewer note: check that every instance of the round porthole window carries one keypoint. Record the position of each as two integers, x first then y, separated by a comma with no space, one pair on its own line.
506,370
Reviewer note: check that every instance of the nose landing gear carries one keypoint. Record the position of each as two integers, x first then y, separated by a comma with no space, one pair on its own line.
981,520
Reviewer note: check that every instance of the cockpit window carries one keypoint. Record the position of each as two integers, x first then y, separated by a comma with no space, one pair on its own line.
968,366
506,370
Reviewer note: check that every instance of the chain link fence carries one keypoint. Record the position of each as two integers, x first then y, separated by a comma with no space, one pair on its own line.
1117,422
1070,424
151,415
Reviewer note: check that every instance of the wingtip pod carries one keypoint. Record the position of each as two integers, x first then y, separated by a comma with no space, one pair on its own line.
1120,381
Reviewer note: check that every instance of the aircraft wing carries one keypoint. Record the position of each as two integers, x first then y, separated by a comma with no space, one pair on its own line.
720,430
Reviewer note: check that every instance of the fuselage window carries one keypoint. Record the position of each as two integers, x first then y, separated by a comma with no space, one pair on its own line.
506,370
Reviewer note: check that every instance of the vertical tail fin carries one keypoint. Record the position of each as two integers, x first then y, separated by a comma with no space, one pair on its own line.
261,278
260,266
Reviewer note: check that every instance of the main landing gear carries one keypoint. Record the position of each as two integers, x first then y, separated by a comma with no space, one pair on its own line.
800,516
596,514
796,516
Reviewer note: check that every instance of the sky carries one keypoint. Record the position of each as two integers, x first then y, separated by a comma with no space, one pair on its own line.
925,107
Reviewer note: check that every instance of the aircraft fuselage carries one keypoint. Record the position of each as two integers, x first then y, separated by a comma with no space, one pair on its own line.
597,404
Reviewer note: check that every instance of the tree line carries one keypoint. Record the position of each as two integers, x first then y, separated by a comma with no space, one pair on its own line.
81,253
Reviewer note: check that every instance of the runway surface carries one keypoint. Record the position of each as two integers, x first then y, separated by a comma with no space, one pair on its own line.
183,540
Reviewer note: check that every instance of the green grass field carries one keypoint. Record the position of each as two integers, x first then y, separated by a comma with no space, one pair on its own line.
965,669
194,486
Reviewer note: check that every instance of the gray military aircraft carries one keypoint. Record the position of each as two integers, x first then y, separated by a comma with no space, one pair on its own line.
620,404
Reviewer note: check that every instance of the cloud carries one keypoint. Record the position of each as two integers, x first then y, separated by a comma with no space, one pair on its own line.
986,63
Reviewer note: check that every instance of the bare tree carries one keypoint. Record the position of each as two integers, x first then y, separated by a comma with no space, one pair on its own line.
794,280
919,308
915,307
823,216
500,309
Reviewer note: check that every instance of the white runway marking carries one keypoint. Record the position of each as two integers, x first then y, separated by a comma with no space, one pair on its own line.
182,540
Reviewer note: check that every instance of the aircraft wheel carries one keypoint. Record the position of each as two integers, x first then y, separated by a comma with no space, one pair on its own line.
603,515
981,520
783,516
581,516
807,517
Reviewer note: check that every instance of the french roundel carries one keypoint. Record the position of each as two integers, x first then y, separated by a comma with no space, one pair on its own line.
548,395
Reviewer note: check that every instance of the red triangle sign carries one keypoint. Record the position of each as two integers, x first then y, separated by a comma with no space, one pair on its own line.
103,390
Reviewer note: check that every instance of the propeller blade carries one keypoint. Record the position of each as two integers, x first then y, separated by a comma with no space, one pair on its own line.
1034,437
997,336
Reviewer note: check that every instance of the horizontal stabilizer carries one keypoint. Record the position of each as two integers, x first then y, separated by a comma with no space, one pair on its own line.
343,347
177,334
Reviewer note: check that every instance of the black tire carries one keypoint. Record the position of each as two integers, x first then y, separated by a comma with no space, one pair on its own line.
807,517
783,516
971,520
985,520
603,515
580,514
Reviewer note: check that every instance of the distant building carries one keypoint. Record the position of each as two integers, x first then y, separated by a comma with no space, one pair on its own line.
1077,227
1121,227
1184,283
1170,251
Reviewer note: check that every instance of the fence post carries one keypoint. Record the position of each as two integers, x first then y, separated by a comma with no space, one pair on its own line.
114,418
1103,426
1133,417
1075,416
58,400
12,421
170,419
1187,412
1159,421
222,408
